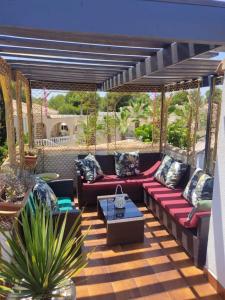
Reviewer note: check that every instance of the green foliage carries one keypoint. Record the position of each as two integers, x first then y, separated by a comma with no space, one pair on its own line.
144,132
26,138
217,95
107,126
44,258
56,102
123,121
178,134
3,152
139,109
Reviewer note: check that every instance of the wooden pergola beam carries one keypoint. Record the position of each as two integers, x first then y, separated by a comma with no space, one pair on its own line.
165,58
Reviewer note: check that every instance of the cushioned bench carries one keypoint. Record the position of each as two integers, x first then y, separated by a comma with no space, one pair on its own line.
87,192
172,209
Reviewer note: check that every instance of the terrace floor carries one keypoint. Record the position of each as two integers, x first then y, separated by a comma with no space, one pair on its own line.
155,269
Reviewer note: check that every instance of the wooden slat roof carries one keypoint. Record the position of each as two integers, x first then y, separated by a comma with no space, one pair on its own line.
111,60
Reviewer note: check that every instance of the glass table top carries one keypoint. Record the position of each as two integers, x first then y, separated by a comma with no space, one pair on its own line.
111,213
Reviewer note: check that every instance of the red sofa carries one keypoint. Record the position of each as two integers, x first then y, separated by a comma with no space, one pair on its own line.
168,205
87,192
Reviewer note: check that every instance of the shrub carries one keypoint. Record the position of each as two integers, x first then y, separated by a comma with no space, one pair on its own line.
3,153
144,133
178,134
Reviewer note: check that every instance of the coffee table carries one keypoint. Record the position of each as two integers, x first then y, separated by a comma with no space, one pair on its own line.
123,226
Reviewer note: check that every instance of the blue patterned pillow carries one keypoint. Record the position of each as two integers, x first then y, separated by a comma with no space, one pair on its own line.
127,164
176,171
43,192
89,168
163,169
199,187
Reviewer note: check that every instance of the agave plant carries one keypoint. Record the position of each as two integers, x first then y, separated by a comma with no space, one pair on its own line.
45,258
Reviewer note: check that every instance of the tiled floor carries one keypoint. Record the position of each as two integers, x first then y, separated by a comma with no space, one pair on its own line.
155,269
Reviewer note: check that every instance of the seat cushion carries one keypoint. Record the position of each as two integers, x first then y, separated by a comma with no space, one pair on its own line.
151,184
178,203
64,204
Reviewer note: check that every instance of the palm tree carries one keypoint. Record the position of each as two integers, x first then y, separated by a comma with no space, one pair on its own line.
123,121
139,109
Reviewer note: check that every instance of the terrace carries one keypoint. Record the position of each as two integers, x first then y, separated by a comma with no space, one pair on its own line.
134,76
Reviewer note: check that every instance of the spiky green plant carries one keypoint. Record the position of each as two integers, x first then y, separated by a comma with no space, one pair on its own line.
44,259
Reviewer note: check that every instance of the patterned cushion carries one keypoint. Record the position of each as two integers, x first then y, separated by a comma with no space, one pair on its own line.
199,187
162,171
43,192
89,168
127,164
175,173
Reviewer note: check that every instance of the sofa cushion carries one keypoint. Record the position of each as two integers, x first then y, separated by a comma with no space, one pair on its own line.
127,164
163,169
175,173
151,184
178,203
199,187
89,168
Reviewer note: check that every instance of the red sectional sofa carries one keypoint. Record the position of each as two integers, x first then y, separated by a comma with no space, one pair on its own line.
168,205
87,192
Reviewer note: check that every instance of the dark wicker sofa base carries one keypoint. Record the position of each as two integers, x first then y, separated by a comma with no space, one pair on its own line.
194,241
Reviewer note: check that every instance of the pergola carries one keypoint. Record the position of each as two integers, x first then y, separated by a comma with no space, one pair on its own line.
119,45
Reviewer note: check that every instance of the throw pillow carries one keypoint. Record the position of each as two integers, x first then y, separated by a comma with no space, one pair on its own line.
98,167
127,164
43,192
192,183
202,205
175,173
89,168
163,169
200,187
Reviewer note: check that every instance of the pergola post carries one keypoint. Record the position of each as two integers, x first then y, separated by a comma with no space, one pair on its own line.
20,118
5,77
208,126
161,119
29,112
216,241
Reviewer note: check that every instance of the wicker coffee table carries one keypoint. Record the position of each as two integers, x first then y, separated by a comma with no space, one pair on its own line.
123,226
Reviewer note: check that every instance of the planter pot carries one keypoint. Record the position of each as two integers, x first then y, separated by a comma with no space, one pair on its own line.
66,293
30,161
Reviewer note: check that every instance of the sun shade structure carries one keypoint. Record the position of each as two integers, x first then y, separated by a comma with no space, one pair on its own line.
156,49
119,46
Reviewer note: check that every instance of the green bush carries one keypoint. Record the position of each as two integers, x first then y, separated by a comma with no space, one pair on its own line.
3,153
178,134
144,133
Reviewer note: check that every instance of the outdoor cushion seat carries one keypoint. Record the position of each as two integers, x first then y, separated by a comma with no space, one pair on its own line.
170,196
193,223
151,184
178,203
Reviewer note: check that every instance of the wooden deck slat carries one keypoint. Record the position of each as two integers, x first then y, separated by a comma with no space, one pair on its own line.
155,269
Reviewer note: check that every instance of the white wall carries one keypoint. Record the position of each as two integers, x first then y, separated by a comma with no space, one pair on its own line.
216,243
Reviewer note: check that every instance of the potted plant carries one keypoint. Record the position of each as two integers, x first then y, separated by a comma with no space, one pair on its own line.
43,262
12,189
30,159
